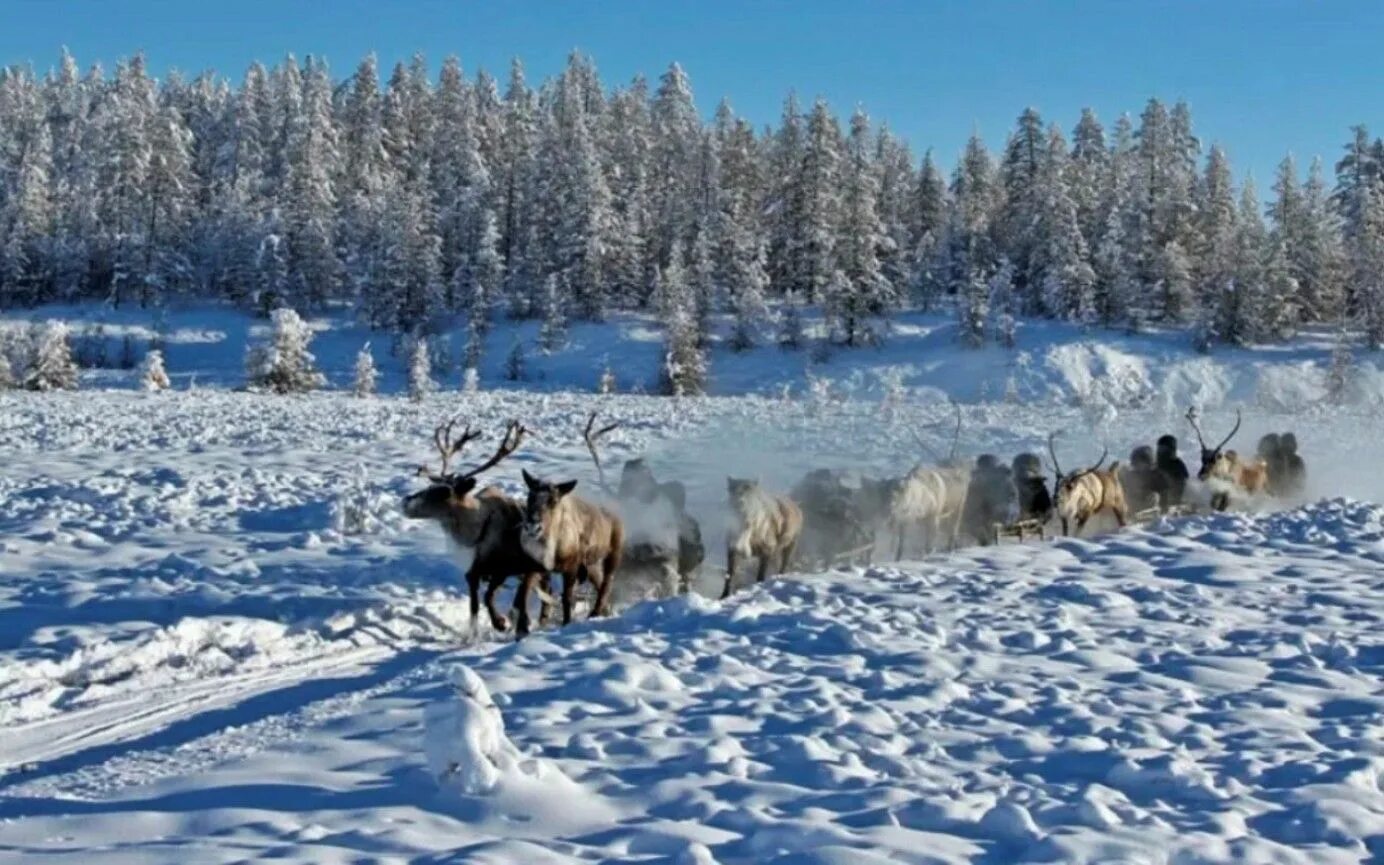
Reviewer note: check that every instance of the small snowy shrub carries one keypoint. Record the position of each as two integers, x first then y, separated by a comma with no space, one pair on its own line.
366,376
362,509
464,738
51,366
284,364
420,382
152,375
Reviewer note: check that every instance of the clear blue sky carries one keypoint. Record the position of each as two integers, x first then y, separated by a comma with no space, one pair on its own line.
1263,76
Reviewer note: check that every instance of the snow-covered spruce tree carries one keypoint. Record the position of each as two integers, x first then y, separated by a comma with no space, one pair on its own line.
1003,314
606,384
1059,255
516,367
1368,263
284,364
366,377
746,296
51,366
470,380
973,310
684,364
420,382
152,375
1341,372
7,379
552,335
791,335
868,294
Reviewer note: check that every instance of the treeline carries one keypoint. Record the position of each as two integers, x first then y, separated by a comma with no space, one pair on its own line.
428,200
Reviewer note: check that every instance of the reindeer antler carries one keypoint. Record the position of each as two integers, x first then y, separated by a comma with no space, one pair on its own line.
956,439
593,435
925,446
1192,419
448,447
513,437
1225,441
1052,452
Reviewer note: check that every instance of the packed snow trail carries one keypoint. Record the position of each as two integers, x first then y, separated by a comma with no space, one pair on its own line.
1205,691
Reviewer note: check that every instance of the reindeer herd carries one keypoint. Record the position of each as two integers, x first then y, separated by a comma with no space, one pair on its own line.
830,517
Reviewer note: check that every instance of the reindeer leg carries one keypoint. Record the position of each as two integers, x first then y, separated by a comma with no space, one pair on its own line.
786,558
1121,517
596,574
521,602
473,584
1081,524
730,572
763,568
545,607
899,532
569,588
1066,530
497,621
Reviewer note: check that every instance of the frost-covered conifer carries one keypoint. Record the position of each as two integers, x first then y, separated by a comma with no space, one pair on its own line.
284,363
51,366
152,375
516,368
366,376
553,333
420,382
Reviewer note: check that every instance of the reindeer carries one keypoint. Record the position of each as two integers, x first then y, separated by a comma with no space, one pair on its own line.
991,499
1226,471
573,537
931,496
659,533
841,512
1035,502
764,526
1294,482
1143,483
1172,472
484,523
1081,495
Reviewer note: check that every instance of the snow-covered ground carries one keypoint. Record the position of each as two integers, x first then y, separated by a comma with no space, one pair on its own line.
220,641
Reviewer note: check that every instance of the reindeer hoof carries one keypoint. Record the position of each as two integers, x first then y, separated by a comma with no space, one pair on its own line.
501,624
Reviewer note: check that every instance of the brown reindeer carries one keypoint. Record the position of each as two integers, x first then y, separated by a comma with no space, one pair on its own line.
573,537
485,523
1083,494
766,526
1226,471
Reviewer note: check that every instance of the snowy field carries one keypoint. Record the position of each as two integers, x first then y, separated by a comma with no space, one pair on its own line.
220,641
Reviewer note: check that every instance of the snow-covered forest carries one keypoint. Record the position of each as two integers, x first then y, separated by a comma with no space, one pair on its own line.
431,199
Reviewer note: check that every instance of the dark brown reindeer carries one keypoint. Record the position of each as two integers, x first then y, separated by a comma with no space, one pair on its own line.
485,523
573,537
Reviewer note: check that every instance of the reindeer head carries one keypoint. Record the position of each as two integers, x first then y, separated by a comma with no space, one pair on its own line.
1212,462
740,489
1141,458
1064,484
450,496
637,482
950,460
543,501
